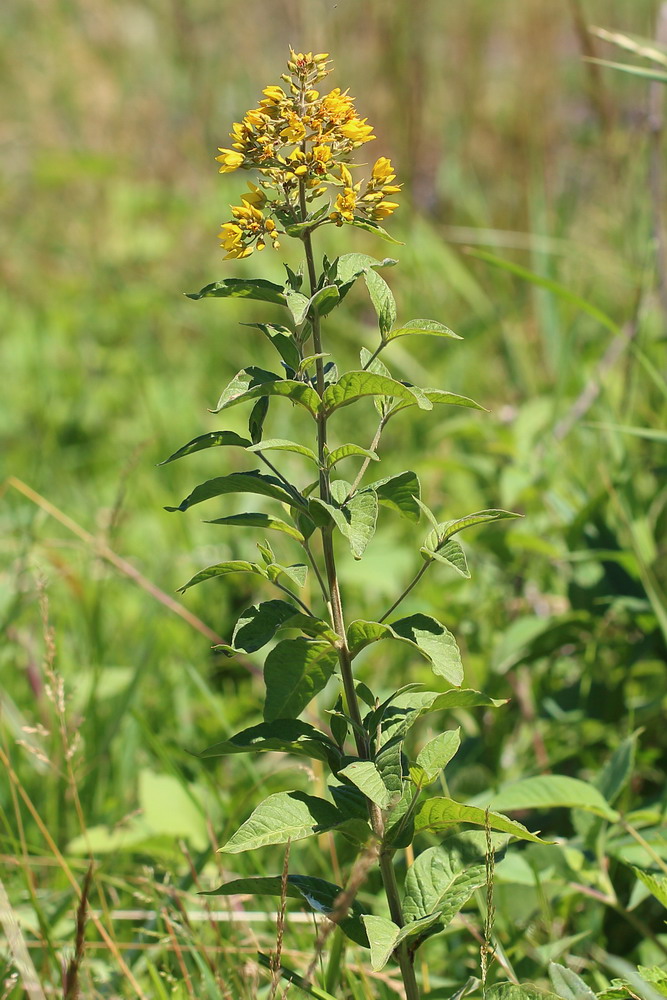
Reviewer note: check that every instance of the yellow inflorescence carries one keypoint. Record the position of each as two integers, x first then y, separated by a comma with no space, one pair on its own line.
300,142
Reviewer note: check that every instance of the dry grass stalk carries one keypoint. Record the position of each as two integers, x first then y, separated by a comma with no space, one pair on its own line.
71,986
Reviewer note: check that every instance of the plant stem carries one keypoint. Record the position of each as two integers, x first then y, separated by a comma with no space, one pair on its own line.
335,963
338,621
413,583
367,461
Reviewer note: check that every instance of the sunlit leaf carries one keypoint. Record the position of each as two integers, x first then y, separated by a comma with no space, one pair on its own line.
242,288
258,520
365,775
422,326
223,569
281,444
214,439
242,482
282,735
438,815
355,385
283,817
294,672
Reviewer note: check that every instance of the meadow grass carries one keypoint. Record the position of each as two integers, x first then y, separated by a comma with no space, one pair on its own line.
509,146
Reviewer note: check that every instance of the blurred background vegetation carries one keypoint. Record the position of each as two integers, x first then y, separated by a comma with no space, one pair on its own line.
509,144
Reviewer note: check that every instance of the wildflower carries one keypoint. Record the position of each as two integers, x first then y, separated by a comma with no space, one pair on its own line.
357,131
230,160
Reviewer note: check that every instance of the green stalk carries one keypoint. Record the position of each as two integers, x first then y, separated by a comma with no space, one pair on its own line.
338,621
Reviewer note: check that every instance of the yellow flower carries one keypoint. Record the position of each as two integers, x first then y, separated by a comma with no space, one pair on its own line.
346,204
295,130
383,172
230,160
274,95
357,131
383,209
255,196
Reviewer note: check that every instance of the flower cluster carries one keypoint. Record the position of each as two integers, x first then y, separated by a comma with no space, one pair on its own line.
300,142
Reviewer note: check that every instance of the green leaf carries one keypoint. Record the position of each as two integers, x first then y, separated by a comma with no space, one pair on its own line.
422,326
438,752
258,520
259,623
553,286
410,706
355,385
214,439
280,444
433,877
656,884
356,520
349,451
438,815
435,642
223,569
372,227
282,339
349,266
436,540
247,385
295,671
451,554
439,397
319,895
382,299
382,935
284,735
422,633
283,817
512,991
242,288
242,482
568,985
550,791
400,492
324,300
313,627
297,305
365,775
389,762
257,417
293,977
296,574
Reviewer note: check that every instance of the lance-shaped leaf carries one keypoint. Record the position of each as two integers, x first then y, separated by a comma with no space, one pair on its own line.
423,633
253,383
373,227
436,754
242,288
297,305
259,623
356,520
295,671
346,268
255,519
283,817
324,300
350,451
431,878
296,574
568,984
257,417
435,541
408,707
214,439
355,385
549,791
224,569
320,896
382,299
282,339
281,444
383,936
282,735
422,326
365,775
451,554
439,397
438,815
400,492
242,482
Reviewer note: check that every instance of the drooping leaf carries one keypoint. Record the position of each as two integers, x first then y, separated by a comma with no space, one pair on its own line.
280,444
223,569
401,493
257,417
568,985
296,574
356,520
355,385
422,632
431,878
422,326
259,520
295,671
282,339
243,288
438,752
258,624
214,439
451,554
383,936
283,817
285,735
297,305
438,815
242,482
549,791
365,775
382,299
320,896
248,384
350,451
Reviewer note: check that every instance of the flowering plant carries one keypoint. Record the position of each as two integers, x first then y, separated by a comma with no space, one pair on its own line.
299,143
